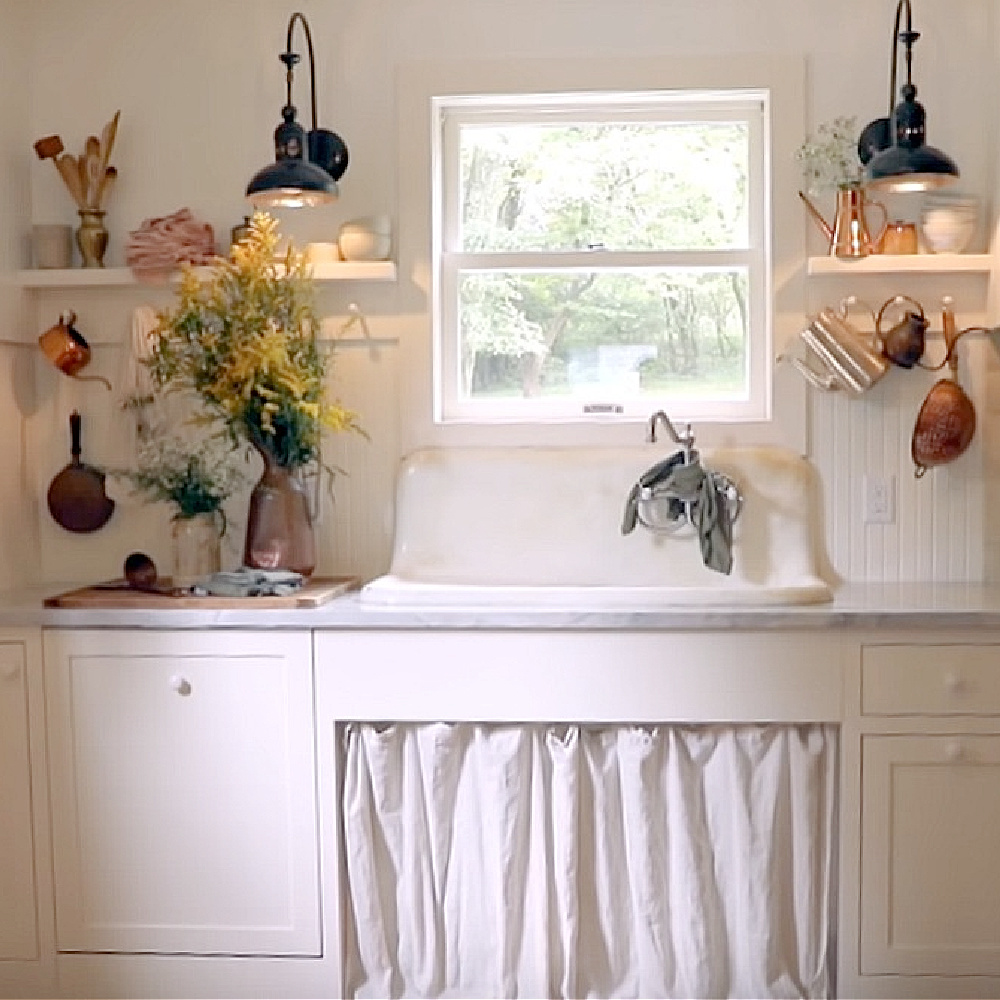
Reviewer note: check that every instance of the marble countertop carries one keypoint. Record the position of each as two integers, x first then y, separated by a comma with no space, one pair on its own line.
885,606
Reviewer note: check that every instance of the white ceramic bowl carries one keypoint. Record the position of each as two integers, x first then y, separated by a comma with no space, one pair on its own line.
362,244
947,224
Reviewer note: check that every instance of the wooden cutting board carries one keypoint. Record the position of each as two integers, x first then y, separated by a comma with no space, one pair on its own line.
314,592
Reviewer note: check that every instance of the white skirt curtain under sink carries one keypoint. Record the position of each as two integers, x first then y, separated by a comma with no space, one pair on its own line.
567,861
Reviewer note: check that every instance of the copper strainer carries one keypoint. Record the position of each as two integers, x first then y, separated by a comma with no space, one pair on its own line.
946,422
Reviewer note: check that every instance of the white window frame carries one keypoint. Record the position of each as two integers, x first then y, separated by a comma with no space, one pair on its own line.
418,82
451,113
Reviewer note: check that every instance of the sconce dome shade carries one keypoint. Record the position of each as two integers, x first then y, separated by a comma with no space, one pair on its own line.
291,183
920,169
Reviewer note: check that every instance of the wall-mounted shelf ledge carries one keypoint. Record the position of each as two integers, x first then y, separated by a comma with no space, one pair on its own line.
917,263
122,277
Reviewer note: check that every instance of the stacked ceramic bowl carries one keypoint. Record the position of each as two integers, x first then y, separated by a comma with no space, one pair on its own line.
369,238
948,222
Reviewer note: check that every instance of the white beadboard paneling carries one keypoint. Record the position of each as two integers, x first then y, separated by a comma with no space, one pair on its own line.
938,528
356,528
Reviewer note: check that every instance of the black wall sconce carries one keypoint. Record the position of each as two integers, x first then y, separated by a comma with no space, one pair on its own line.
893,149
293,181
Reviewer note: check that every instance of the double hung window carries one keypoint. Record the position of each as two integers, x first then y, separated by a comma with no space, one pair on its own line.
601,254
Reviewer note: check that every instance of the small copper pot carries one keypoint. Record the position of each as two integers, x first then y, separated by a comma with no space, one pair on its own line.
67,348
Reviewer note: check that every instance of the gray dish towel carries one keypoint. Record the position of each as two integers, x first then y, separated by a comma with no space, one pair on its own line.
690,483
247,582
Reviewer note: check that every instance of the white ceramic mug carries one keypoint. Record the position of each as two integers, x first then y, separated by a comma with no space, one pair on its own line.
52,246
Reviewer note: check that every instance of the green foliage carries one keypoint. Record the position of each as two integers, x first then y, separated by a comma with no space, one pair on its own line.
242,339
555,188
196,479
534,187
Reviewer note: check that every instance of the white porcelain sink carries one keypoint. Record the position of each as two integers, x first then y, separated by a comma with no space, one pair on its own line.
542,527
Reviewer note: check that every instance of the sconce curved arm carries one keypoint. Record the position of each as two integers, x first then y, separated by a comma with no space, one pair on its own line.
907,37
290,58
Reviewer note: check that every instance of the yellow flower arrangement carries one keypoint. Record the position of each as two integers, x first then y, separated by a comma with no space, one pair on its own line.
243,339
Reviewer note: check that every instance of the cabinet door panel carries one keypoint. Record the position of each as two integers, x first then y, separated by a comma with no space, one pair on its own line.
930,859
18,918
183,792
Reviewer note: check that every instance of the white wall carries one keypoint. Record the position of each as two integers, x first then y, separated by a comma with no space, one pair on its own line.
200,88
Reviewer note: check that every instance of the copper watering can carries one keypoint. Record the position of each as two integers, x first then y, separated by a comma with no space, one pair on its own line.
849,236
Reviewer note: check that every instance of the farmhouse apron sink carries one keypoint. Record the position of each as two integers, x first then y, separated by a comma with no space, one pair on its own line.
543,527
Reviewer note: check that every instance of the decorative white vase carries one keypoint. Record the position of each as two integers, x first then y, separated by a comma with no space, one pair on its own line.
197,550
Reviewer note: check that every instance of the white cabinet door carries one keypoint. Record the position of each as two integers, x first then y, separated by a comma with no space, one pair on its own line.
18,916
183,792
930,855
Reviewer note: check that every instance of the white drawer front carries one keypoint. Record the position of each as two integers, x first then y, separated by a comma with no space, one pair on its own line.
945,679
582,676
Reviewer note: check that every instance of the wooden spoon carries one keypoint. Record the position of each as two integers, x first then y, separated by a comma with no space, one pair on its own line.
69,171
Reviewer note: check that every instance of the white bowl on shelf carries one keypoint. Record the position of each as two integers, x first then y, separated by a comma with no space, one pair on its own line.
366,239
948,222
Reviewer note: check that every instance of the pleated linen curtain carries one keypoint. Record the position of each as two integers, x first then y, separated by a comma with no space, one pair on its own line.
567,861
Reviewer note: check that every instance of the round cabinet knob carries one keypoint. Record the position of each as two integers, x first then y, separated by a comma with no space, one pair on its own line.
953,682
181,685
954,751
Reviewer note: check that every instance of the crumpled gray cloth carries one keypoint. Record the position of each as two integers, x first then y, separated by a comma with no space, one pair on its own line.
690,483
654,475
247,582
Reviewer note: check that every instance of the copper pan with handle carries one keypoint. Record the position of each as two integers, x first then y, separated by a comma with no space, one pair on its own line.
76,496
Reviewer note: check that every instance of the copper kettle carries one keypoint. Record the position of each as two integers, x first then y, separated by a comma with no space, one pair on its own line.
838,355
946,422
903,343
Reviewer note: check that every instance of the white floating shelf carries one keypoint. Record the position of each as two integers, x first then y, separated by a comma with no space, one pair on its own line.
916,263
122,277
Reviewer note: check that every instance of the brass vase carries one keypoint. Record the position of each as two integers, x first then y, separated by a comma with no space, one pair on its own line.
92,237
279,528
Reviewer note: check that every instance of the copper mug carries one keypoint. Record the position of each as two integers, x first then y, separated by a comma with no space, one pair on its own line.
900,238
67,348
